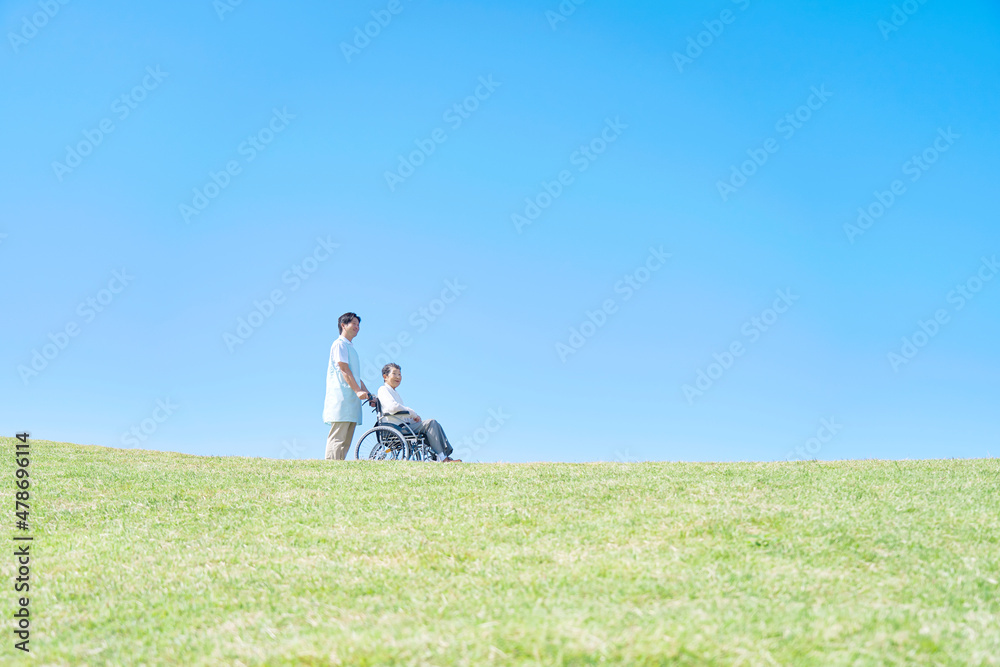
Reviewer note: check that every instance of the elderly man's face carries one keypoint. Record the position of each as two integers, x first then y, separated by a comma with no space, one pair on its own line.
394,377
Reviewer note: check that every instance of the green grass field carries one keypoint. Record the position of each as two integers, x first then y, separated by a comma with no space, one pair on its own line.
156,558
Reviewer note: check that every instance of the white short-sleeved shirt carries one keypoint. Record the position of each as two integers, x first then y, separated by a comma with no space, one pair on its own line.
340,352
342,404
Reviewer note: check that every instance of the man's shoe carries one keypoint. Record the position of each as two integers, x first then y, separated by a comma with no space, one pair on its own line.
448,459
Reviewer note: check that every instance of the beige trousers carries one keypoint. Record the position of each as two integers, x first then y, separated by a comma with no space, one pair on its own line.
338,443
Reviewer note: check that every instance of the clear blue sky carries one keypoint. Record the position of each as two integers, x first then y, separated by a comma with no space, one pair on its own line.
202,85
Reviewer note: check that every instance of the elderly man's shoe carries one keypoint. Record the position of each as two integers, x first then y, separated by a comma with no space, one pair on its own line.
448,459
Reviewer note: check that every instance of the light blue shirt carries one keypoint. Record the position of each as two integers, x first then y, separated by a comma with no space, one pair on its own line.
342,404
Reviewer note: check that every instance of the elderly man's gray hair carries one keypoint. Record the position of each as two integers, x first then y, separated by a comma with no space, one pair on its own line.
388,368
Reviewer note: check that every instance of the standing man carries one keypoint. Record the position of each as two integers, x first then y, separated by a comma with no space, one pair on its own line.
344,389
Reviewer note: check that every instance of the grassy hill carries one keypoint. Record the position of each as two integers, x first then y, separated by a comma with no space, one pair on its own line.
157,558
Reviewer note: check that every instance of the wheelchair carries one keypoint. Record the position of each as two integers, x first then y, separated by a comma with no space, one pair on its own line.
387,441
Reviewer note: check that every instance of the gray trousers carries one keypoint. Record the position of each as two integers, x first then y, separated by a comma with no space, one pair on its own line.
434,434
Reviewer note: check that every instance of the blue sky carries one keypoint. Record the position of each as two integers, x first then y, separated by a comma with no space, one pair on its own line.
729,145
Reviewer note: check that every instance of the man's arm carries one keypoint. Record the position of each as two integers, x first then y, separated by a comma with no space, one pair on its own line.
361,391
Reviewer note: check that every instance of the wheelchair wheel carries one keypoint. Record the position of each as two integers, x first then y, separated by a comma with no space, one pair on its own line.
418,449
421,452
382,443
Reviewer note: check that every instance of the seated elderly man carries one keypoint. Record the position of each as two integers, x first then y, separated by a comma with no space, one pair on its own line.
394,412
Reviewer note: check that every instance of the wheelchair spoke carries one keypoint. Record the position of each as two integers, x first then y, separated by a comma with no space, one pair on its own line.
382,443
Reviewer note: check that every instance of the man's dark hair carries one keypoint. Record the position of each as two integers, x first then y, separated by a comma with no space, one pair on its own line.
345,319
388,368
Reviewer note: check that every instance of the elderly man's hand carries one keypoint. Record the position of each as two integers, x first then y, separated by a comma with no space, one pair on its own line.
416,417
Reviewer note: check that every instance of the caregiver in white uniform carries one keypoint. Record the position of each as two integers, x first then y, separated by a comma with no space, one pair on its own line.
345,390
